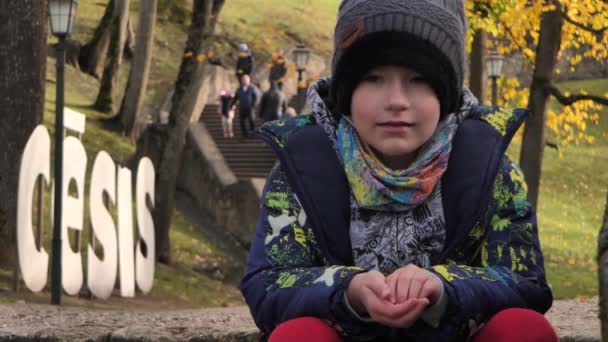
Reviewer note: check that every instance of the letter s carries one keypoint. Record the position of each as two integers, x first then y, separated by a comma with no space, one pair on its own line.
144,264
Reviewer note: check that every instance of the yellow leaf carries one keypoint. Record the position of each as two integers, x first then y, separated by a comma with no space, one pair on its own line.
582,297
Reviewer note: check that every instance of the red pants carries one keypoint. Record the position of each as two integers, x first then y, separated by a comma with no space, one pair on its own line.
509,325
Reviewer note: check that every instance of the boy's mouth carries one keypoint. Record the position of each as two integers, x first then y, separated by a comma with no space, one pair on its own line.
396,124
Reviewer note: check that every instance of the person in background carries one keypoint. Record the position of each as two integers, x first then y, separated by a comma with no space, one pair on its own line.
273,103
278,69
246,96
226,112
290,112
245,61
394,213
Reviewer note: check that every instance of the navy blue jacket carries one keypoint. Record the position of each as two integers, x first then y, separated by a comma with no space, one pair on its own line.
301,259
247,98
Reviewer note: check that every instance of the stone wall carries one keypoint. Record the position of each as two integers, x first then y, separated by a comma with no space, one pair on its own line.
233,204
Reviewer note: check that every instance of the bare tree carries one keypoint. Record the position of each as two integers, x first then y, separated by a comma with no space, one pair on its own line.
92,58
187,87
23,52
533,142
477,76
105,97
132,102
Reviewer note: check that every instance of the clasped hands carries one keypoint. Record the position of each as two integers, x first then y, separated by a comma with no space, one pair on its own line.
396,300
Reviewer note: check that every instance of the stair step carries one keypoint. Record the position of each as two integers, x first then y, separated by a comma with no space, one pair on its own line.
246,157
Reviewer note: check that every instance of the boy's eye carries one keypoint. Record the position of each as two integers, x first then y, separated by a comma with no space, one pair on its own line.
372,78
419,79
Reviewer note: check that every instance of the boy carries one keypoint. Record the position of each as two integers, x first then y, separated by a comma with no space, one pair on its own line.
394,213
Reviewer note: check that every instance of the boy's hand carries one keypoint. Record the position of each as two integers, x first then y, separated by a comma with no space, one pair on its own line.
369,293
410,282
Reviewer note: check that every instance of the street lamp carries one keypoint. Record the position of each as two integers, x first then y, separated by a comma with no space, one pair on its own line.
494,63
300,56
62,14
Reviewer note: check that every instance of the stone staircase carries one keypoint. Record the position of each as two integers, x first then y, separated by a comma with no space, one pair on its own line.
246,157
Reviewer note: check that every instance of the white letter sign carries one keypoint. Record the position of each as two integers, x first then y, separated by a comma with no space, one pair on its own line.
144,264
117,247
101,274
35,161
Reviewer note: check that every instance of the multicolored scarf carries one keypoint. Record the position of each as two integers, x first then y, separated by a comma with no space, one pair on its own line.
375,186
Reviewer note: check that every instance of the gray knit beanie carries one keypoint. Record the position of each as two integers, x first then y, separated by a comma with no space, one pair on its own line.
430,30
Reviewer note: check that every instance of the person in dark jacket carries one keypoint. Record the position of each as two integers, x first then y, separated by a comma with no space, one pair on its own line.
245,62
278,69
394,213
273,103
246,96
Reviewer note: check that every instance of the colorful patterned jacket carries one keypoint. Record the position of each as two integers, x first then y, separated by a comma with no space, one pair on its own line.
301,260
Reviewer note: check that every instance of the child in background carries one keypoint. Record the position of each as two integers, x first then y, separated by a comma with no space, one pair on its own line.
394,213
290,112
226,112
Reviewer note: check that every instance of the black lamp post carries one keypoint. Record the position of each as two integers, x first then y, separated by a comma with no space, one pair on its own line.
62,14
494,63
300,56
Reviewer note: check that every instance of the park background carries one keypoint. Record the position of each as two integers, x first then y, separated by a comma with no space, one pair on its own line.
201,271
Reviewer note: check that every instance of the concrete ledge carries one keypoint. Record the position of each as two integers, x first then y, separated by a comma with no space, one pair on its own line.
575,321
29,322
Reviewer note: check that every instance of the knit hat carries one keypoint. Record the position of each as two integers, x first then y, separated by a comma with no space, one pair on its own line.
427,36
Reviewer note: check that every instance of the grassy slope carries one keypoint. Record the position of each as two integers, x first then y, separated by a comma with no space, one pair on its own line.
571,204
281,24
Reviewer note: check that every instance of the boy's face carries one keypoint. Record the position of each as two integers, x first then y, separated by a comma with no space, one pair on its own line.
395,111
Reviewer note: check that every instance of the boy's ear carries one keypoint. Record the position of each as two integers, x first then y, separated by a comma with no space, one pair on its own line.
351,33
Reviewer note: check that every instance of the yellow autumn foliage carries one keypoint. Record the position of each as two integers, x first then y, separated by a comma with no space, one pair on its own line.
514,27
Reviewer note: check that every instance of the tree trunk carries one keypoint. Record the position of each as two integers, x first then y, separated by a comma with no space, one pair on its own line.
129,50
132,102
187,89
23,53
602,262
477,76
534,133
93,54
105,97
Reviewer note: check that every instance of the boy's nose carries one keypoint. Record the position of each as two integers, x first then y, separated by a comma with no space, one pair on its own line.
398,98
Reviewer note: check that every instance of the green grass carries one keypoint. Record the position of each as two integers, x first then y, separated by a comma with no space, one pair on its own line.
281,24
573,191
